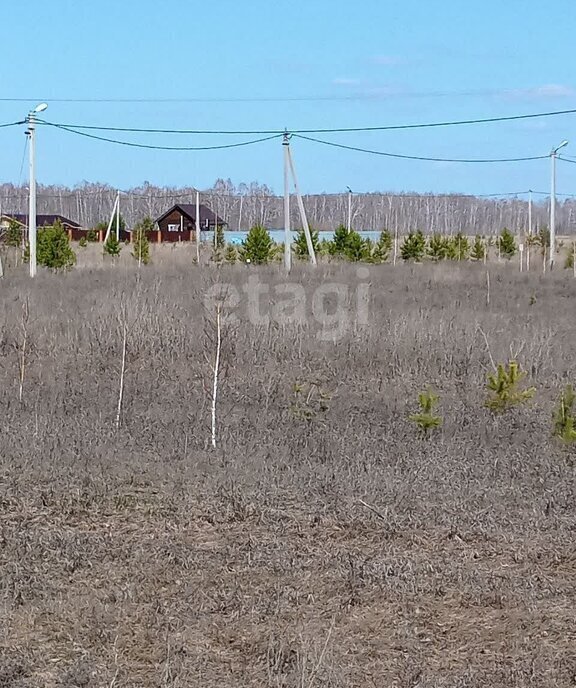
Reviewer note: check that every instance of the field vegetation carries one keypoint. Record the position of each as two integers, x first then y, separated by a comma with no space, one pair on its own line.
367,518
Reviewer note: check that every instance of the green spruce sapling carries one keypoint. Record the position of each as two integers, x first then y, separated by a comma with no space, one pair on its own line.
564,417
53,248
112,246
356,248
425,419
257,247
460,247
413,247
504,388
437,247
507,244
339,241
478,249
301,245
383,247
230,254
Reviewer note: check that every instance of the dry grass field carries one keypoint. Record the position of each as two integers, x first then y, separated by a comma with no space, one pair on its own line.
324,542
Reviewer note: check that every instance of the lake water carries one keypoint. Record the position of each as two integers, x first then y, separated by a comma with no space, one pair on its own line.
277,235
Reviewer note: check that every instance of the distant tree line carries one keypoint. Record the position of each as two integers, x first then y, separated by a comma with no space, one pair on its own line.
245,205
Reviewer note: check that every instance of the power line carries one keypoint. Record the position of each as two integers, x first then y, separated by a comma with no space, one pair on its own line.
22,162
69,195
420,157
305,138
547,193
12,124
153,147
375,95
340,130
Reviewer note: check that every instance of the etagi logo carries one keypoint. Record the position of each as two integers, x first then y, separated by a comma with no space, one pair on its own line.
332,308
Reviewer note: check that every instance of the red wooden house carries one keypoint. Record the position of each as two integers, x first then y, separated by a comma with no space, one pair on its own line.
179,223
75,231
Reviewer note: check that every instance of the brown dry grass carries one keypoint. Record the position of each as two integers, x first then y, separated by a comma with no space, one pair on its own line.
143,558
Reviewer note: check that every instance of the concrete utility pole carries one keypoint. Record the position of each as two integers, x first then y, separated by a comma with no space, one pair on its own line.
114,214
31,119
553,155
118,216
198,227
529,242
287,232
349,218
303,217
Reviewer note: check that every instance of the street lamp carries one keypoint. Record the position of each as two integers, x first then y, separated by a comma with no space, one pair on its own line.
553,155
31,119
349,220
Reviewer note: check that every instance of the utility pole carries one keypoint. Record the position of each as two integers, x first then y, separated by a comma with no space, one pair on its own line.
31,119
118,217
287,232
553,155
114,214
349,218
303,217
198,227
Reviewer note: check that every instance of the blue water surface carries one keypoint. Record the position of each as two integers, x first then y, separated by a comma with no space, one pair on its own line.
277,235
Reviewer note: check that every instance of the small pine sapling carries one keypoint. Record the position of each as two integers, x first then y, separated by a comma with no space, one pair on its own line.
13,236
564,416
301,245
413,247
383,247
426,420
503,388
92,234
257,247
478,249
217,256
507,244
219,237
437,246
112,246
460,247
141,244
544,239
340,241
83,242
325,248
357,248
230,254
53,248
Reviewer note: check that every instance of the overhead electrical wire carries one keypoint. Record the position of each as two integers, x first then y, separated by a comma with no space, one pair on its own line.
337,130
299,136
12,124
156,147
208,192
419,157
378,94
22,162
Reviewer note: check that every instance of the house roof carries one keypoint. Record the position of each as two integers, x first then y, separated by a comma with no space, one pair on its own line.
189,211
42,220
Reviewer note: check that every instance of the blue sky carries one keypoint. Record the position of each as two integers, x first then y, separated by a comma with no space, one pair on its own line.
369,63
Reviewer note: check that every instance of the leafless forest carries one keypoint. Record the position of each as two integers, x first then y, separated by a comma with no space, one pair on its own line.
324,542
245,205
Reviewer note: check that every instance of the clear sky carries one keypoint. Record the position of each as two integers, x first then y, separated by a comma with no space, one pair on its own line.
335,63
